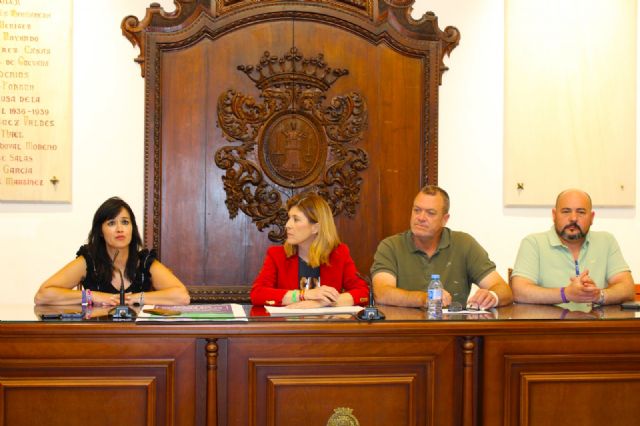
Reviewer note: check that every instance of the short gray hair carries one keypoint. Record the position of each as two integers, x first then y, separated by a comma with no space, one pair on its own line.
434,190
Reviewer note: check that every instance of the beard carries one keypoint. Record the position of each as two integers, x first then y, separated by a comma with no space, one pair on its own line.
571,237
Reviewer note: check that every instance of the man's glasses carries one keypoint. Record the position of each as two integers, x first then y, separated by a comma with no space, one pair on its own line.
457,306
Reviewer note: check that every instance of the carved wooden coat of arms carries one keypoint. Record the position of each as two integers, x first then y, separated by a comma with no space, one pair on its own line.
291,141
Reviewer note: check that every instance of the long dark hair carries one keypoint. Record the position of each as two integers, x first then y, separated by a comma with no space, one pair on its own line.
98,247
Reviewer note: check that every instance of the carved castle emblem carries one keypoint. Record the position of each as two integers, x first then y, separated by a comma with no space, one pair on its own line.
293,151
291,140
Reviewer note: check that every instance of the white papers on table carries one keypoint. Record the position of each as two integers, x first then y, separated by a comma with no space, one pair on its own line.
465,311
330,310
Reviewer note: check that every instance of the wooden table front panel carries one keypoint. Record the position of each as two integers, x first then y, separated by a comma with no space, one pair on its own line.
69,380
302,380
561,379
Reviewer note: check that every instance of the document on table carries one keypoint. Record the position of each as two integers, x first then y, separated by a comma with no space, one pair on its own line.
330,310
211,312
465,311
472,291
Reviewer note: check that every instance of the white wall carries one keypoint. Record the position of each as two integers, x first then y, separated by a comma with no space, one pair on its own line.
108,133
107,153
471,140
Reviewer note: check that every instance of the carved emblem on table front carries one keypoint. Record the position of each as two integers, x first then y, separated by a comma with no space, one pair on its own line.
342,416
291,141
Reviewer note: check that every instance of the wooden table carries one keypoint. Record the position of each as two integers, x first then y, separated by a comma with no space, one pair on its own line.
523,364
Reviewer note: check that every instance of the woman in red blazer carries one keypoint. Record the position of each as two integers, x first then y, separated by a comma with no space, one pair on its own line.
313,268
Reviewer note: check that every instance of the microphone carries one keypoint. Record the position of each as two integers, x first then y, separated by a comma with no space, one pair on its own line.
369,313
122,312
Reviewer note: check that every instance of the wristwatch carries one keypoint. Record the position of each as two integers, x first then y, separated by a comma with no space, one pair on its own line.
601,298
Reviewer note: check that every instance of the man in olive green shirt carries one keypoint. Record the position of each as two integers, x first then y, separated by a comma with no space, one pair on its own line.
404,263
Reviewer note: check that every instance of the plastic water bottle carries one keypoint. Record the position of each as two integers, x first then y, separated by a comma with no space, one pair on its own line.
434,297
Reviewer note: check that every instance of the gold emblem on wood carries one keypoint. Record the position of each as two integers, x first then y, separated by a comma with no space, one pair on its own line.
342,417
292,141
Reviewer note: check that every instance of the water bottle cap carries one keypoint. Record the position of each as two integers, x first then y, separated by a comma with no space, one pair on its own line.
435,276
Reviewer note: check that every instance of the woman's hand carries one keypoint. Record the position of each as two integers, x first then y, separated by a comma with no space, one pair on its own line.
325,294
100,298
131,299
306,304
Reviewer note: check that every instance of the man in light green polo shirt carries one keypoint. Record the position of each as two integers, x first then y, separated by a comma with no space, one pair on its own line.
570,263
404,262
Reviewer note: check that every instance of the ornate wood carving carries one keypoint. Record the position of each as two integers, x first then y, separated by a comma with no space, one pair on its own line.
133,29
361,7
343,416
189,57
300,141
211,294
397,13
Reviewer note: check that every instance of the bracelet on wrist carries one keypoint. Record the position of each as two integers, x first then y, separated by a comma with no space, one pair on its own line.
563,295
84,298
495,296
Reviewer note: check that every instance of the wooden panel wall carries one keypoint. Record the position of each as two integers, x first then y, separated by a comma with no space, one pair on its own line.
191,57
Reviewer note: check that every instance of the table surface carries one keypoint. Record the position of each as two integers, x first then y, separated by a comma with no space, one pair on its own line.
525,312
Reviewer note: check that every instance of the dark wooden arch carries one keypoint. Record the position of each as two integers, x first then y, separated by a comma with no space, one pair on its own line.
190,56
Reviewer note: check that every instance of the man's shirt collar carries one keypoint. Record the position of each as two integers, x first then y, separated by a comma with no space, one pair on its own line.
445,241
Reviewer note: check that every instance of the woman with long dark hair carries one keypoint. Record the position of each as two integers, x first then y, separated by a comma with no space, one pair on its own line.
113,257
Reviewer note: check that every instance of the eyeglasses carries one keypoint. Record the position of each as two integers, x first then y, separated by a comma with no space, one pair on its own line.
457,306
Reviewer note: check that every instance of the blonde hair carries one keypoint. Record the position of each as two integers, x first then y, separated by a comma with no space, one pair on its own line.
316,210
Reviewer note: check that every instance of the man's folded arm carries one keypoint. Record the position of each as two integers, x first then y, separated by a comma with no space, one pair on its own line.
386,292
620,288
493,281
526,291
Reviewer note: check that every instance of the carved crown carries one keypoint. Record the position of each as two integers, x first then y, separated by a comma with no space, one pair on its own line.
292,69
